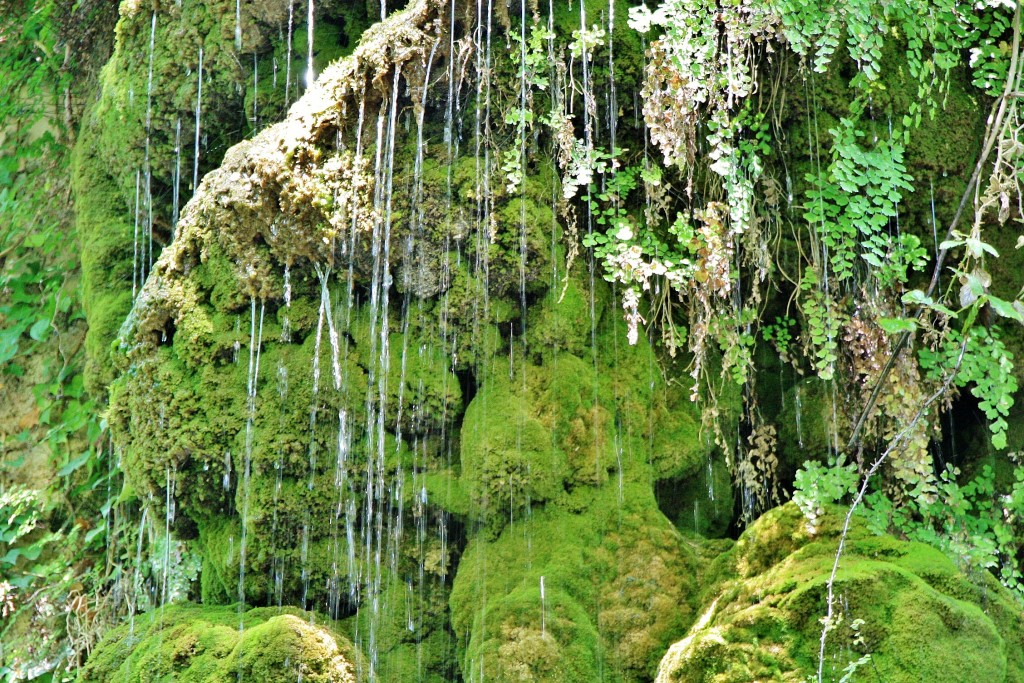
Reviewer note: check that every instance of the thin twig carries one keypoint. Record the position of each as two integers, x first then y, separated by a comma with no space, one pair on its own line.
893,445
994,134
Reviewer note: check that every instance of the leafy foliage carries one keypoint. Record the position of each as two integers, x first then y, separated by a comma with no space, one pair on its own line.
47,534
972,522
986,366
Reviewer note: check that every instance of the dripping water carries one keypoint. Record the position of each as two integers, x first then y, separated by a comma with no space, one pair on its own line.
177,177
798,404
238,25
199,109
137,269
148,241
255,342
310,76
288,55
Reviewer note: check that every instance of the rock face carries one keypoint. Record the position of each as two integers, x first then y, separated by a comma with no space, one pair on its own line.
368,384
218,644
366,381
903,603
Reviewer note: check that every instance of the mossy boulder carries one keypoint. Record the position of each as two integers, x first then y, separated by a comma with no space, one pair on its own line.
561,596
185,642
340,363
903,603
509,459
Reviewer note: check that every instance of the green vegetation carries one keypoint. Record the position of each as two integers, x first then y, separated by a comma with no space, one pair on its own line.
488,343
907,611
220,644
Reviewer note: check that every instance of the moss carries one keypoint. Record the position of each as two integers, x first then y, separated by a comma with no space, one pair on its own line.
129,139
903,603
337,30
617,586
563,322
219,644
553,434
105,237
508,459
410,625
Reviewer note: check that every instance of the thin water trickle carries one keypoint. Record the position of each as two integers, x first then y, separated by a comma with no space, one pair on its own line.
199,110
255,94
255,342
137,573
137,271
286,323
310,76
148,240
238,25
168,521
277,558
226,479
935,233
288,54
798,405
176,185
543,610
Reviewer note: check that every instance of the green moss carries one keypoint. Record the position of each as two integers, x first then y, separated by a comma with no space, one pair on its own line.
554,434
105,237
903,603
410,626
219,644
617,586
508,457
563,322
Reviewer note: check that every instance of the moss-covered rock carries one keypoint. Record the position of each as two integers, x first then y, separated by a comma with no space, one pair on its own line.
561,596
903,603
137,148
339,361
574,573
185,642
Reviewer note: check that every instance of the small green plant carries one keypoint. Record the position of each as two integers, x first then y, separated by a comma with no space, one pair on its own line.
852,203
978,526
985,366
817,485
780,335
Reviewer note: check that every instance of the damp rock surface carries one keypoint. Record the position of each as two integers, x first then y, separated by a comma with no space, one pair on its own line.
903,604
187,642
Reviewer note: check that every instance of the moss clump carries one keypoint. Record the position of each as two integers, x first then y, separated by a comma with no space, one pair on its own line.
105,236
508,457
218,644
617,584
903,603
559,452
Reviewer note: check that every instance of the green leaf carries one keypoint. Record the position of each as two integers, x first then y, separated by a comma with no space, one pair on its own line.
9,344
40,330
1005,309
897,325
74,464
919,298
977,248
93,533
